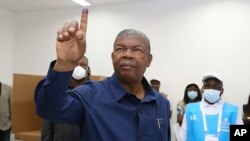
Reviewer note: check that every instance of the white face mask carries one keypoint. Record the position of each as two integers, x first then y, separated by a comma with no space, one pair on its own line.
192,94
79,73
211,95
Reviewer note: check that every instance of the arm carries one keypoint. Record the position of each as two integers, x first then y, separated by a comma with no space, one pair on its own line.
183,132
53,101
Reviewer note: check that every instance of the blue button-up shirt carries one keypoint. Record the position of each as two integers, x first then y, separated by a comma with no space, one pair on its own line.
104,110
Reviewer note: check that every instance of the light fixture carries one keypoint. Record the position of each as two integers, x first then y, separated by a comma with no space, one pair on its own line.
82,2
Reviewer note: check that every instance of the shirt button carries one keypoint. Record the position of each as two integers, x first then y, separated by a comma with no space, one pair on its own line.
139,109
139,137
50,78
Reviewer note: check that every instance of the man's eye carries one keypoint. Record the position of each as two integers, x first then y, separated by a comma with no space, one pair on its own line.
119,49
138,50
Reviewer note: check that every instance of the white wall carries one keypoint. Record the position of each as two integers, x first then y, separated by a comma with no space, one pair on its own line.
188,39
7,42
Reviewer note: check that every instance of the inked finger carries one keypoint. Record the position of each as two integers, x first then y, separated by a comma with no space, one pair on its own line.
84,20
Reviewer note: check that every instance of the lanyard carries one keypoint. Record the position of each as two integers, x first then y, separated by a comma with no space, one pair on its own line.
205,120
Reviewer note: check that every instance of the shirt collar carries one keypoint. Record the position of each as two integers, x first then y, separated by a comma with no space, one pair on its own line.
206,104
119,91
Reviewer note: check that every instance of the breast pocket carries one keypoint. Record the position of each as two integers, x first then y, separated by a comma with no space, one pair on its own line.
161,129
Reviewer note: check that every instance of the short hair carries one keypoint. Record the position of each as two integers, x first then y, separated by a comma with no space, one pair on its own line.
134,33
155,81
84,57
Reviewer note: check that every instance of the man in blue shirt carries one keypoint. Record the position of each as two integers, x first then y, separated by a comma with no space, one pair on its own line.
122,107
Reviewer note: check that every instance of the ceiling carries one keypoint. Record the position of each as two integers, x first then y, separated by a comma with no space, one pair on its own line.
33,5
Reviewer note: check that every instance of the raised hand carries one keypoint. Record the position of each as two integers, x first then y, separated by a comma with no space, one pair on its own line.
71,43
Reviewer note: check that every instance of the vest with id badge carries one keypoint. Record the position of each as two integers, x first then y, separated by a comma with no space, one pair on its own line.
202,127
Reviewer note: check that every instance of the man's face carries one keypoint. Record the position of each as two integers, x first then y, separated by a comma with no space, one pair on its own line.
83,63
213,83
155,87
130,58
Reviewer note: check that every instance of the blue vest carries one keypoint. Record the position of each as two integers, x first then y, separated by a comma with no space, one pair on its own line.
195,128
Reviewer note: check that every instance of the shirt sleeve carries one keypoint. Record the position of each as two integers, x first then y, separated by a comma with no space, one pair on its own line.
180,108
53,101
183,132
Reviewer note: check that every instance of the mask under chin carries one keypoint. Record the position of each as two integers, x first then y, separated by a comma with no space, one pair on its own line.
79,73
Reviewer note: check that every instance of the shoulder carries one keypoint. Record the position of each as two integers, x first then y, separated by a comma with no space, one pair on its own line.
91,85
230,106
193,106
5,86
245,108
161,99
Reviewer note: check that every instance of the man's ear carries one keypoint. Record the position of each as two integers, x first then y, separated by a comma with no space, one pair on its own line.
222,90
150,58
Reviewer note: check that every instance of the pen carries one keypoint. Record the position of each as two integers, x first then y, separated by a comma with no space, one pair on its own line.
159,122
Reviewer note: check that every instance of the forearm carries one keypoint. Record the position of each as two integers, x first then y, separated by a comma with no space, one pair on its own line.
53,102
183,132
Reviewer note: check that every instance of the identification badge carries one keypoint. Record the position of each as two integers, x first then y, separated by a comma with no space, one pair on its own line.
210,137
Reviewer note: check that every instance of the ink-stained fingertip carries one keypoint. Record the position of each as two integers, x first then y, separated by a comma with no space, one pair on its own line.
85,10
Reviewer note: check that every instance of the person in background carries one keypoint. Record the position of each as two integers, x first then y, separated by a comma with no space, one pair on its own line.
246,112
192,94
5,111
211,118
52,131
122,107
156,84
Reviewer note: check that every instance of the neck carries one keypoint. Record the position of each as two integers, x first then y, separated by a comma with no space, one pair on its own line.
190,101
135,88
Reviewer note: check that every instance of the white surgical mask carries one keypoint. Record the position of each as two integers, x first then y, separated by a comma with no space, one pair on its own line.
211,95
79,73
192,94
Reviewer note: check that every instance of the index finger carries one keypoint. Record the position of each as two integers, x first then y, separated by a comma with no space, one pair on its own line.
84,20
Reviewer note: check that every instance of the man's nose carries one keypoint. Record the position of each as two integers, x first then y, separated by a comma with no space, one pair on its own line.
128,53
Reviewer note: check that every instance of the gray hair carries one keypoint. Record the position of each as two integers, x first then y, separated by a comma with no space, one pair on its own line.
134,33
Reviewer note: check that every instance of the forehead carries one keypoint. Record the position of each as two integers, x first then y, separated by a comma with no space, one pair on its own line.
191,87
130,41
212,81
83,61
155,84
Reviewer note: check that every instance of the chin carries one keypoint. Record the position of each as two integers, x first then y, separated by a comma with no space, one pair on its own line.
129,78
